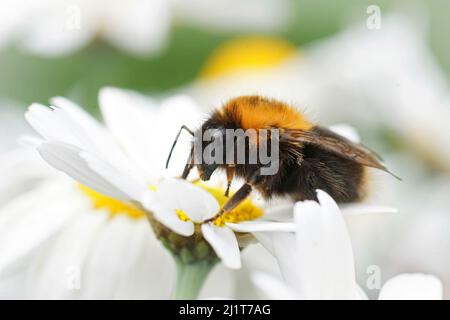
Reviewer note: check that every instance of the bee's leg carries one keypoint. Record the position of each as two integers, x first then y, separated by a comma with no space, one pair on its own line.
230,175
238,197
234,201
189,165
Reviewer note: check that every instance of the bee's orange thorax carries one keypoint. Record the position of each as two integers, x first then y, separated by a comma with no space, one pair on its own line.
255,112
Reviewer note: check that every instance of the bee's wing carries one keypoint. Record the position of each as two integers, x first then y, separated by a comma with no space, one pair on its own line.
330,141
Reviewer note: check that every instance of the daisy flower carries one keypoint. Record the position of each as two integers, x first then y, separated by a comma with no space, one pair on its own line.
120,167
42,211
317,260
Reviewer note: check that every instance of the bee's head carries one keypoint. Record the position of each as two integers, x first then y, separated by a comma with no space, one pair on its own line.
209,151
206,170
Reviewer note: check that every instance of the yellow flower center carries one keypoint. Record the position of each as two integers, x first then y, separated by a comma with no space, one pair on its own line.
113,206
245,211
247,53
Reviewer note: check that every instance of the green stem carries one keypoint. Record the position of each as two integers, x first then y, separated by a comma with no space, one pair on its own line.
190,278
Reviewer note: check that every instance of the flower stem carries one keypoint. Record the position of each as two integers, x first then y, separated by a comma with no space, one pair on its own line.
190,278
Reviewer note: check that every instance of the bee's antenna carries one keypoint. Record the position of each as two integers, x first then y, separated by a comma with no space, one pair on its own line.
183,127
393,174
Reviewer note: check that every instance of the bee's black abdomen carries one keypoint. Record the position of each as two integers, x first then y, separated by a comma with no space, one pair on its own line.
342,179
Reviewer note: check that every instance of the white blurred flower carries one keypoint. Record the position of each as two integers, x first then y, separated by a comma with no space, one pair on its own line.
14,159
317,261
415,286
21,169
252,15
12,123
57,27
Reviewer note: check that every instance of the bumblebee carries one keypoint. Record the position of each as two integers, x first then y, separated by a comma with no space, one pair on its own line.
309,156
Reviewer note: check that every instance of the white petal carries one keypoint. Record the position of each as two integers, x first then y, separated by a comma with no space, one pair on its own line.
196,202
111,258
123,179
323,241
284,212
108,259
57,124
70,124
67,158
273,288
346,131
338,252
261,226
413,286
131,117
361,209
29,222
166,214
310,247
63,259
224,243
83,118
50,124
95,133
169,218
29,141
149,263
265,239
360,294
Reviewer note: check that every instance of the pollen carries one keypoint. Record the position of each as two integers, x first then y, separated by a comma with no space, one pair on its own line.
246,211
182,215
113,206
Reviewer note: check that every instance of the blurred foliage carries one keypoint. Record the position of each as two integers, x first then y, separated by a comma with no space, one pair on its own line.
27,78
